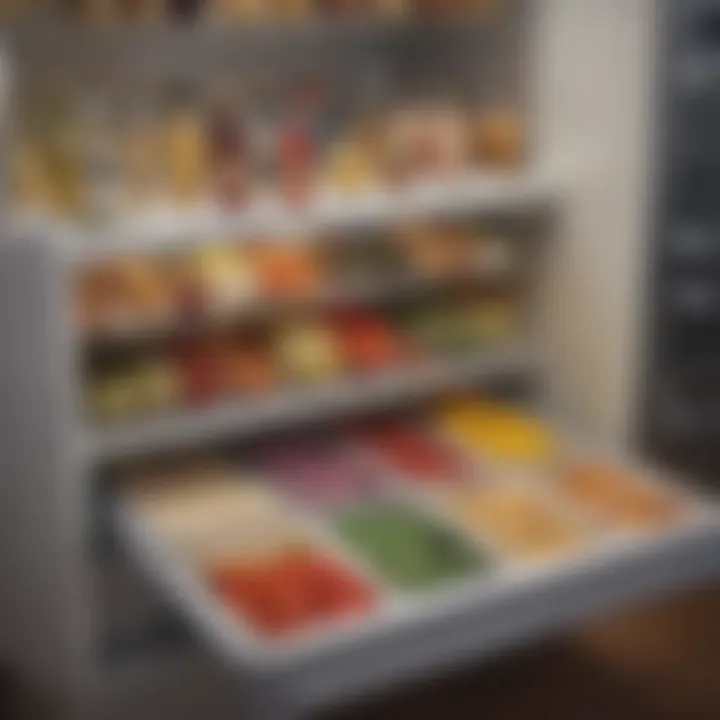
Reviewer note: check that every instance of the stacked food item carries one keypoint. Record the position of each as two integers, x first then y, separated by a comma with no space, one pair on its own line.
330,526
232,320
221,280
307,351
104,13
80,156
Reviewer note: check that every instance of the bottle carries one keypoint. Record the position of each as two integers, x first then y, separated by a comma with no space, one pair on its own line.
263,131
141,162
228,151
100,164
298,143
31,187
184,145
58,135
498,138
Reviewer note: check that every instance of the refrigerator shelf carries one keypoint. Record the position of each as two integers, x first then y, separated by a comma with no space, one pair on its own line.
169,229
231,420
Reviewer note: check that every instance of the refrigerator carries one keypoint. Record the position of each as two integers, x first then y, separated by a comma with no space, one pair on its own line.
613,206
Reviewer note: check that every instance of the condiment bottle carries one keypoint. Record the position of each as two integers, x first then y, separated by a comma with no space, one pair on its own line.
141,157
228,151
184,145
298,147
59,136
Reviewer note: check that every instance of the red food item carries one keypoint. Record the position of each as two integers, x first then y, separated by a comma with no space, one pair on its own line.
414,453
297,157
367,341
285,592
200,365
248,365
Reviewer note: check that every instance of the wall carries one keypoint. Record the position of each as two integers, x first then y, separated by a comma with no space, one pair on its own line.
596,70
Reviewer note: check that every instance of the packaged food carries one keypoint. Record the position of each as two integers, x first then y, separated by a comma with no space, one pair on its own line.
146,385
348,168
437,251
286,270
426,143
493,320
498,139
126,294
439,329
366,262
307,351
249,363
366,341
200,365
224,276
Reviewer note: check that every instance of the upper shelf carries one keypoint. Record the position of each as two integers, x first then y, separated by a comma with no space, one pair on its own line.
171,229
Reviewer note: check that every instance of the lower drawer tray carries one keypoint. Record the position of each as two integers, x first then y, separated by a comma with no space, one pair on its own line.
401,640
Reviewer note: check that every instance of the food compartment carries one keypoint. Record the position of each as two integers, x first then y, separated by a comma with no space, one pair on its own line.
621,499
500,434
521,522
289,589
413,455
411,551
246,550
320,473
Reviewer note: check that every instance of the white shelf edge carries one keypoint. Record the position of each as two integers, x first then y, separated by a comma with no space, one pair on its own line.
199,426
171,229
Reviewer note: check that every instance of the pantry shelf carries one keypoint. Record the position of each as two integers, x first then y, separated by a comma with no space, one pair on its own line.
200,426
172,230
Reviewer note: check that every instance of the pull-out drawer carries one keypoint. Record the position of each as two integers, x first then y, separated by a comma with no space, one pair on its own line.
408,634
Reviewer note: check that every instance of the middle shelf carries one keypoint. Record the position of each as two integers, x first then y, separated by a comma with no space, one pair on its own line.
198,426
193,346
